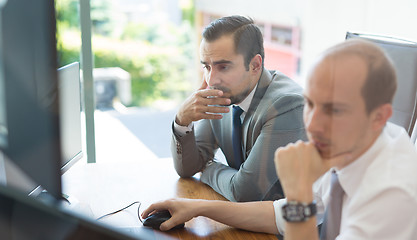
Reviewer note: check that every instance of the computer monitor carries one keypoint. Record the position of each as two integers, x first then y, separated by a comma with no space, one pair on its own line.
31,120
3,122
70,114
70,128
22,217
32,133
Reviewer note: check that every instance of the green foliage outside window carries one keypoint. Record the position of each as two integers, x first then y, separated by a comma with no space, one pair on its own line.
158,58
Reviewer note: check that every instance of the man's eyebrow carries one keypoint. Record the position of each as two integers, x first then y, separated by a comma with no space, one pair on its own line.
329,104
336,104
218,62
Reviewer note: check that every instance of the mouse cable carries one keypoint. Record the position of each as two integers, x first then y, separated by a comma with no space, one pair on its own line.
108,214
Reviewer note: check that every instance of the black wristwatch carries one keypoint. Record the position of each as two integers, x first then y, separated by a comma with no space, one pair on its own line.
298,212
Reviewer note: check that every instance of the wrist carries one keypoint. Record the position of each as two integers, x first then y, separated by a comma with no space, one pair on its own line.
181,122
201,207
304,195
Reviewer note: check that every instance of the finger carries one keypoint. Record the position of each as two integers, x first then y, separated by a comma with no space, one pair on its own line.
216,109
146,212
211,116
210,93
168,224
217,101
322,164
165,226
152,209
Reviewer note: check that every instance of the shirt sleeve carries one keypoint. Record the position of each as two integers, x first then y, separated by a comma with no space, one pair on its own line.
182,130
279,220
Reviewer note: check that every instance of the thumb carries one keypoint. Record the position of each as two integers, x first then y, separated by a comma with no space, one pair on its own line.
167,225
340,159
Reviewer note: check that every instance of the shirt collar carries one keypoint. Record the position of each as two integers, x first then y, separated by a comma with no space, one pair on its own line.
244,105
350,177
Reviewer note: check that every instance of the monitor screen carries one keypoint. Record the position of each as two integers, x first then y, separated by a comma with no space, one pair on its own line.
30,88
70,114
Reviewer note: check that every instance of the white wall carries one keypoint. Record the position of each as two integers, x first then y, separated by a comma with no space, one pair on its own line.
277,11
325,22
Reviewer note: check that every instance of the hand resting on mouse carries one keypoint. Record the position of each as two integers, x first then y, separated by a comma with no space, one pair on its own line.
182,210
243,215
156,219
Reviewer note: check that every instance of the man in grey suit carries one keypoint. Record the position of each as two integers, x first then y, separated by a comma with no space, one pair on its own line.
234,75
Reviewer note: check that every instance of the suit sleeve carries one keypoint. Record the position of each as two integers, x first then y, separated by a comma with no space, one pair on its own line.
257,179
190,156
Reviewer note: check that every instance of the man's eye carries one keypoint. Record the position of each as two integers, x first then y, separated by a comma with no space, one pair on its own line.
334,111
223,67
206,67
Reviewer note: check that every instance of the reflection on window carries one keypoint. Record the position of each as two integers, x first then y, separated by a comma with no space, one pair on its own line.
281,35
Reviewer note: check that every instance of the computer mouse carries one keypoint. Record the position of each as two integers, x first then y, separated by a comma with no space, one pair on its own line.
155,220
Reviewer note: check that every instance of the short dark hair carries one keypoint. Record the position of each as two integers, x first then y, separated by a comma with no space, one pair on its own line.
247,36
381,81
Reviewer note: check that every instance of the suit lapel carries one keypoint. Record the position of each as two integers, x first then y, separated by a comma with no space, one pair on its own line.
261,88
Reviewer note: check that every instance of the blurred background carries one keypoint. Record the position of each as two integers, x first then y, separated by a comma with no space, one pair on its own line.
146,52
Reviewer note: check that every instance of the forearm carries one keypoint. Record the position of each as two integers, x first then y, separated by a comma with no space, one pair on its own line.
251,216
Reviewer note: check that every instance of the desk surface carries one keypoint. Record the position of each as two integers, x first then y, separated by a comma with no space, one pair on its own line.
107,187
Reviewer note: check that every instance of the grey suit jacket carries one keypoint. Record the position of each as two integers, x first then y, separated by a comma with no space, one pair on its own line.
274,119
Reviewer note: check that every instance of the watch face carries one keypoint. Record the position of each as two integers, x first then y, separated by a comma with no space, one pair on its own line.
294,213
298,212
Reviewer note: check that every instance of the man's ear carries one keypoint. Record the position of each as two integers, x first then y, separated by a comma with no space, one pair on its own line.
380,116
255,65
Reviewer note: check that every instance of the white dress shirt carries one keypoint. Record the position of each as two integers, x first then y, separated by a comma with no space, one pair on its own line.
380,187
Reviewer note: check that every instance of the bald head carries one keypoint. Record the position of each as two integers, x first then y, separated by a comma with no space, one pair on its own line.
381,82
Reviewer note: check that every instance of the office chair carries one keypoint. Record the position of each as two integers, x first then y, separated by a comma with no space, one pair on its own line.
403,54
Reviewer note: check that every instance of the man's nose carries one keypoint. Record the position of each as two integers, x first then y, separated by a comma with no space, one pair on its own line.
315,121
212,78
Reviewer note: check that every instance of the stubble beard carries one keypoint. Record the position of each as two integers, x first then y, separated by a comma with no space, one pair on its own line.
234,99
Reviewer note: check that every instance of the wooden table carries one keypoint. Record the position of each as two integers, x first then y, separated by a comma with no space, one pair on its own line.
102,188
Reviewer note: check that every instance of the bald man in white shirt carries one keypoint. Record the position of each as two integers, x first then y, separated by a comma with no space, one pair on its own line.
348,100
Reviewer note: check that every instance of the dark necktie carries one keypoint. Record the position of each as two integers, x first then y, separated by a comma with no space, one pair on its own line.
332,218
237,136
